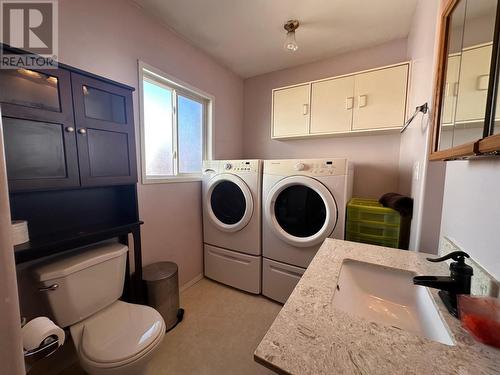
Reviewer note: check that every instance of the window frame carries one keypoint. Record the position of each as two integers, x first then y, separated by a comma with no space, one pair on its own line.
177,87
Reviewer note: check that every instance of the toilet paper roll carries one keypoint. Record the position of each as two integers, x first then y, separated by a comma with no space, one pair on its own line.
37,330
20,232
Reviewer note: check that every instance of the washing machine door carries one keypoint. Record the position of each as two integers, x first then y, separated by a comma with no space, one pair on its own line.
229,202
301,211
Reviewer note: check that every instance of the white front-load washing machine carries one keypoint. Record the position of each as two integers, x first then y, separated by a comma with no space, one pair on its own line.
232,222
303,203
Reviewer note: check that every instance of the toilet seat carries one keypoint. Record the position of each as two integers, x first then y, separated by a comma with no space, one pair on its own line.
118,335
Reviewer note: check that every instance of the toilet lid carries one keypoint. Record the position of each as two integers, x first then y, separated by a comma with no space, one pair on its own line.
120,331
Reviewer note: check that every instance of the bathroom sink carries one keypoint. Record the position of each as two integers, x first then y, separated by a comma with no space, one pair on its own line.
387,296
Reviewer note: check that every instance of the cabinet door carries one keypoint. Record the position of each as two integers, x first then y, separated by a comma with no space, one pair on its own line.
332,102
473,86
38,126
105,132
451,89
291,111
380,98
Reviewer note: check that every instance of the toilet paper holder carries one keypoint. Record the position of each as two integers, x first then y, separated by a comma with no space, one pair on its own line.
48,347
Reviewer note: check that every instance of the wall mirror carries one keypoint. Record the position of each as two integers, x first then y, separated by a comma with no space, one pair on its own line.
465,98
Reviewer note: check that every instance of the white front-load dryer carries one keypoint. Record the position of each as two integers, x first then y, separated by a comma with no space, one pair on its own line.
303,203
232,222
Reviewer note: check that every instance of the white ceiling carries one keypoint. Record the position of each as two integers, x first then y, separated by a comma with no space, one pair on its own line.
247,35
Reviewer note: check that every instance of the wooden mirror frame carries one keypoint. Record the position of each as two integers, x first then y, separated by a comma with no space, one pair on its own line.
489,144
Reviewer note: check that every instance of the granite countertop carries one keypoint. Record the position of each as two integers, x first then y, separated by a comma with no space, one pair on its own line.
310,336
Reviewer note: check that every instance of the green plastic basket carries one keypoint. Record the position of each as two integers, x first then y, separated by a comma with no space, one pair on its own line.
373,229
370,222
372,240
370,210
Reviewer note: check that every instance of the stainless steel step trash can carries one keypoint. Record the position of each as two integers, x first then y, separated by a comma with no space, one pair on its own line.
162,284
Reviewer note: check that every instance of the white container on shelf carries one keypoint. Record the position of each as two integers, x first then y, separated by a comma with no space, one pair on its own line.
20,232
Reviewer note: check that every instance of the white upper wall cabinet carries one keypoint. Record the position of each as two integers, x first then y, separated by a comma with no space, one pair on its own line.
473,86
332,102
291,111
373,100
466,87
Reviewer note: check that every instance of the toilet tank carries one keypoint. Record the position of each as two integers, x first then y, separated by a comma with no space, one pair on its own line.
78,285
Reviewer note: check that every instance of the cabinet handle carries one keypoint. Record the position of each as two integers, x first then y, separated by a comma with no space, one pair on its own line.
305,109
483,82
49,288
362,101
82,131
349,102
70,129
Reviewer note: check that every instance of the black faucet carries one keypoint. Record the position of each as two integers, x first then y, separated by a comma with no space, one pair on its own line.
450,286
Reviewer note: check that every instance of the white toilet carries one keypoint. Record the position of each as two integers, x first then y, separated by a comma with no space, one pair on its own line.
82,291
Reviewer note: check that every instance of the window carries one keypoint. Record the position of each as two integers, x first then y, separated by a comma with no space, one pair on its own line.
175,128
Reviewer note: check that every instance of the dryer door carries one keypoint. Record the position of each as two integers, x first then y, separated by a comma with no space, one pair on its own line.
301,211
229,202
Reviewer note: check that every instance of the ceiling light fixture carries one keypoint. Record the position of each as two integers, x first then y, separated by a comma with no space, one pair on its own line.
290,42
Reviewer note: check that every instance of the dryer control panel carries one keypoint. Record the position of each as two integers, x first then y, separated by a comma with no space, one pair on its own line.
306,167
231,166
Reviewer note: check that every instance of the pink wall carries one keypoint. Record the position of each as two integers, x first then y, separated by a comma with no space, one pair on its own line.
426,186
107,38
375,157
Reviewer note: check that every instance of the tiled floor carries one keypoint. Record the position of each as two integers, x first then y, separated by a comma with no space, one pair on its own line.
219,333
221,329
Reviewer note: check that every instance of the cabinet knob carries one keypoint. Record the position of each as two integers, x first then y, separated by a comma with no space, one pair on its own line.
70,129
349,103
300,166
362,101
82,131
305,109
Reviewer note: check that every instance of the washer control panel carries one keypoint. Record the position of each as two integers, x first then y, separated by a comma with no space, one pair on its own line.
246,166
300,166
231,166
307,167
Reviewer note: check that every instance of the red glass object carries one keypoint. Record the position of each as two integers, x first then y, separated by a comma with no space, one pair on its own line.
481,317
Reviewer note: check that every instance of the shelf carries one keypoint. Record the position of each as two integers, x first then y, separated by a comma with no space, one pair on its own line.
464,125
60,242
490,144
457,152
349,133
